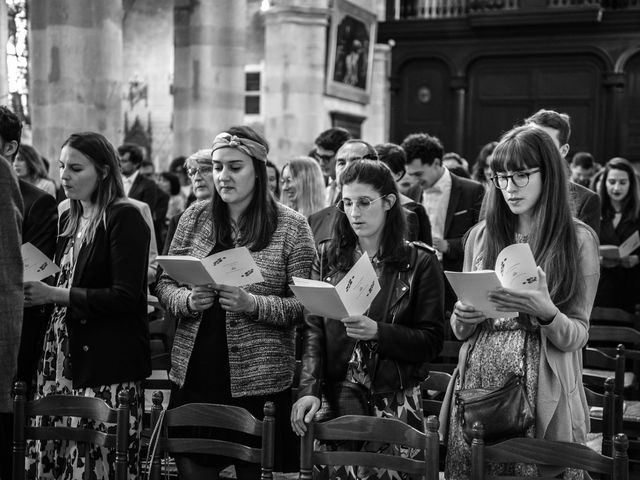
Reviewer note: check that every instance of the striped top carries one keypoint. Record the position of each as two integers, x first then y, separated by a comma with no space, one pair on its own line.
261,346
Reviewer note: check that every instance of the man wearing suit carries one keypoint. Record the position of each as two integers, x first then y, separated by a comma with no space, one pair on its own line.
11,300
322,222
585,203
452,203
136,185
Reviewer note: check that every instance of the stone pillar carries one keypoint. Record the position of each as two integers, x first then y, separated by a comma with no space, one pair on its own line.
75,71
208,79
4,76
376,127
459,86
294,73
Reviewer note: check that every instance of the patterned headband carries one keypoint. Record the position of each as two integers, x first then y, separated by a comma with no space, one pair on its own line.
251,148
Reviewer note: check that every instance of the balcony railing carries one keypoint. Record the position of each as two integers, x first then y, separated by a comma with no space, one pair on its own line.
429,9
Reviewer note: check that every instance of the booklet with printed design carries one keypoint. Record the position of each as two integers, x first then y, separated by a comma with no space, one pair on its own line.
625,249
351,296
36,265
235,267
515,268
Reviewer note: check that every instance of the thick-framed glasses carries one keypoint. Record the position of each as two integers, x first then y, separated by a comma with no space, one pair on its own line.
202,170
520,179
322,158
363,203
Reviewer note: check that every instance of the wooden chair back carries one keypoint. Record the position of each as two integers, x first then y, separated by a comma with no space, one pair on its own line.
549,454
70,406
375,429
448,358
603,415
214,416
433,390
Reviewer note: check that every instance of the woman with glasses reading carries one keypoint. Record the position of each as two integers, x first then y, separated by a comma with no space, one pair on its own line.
383,354
543,343
235,345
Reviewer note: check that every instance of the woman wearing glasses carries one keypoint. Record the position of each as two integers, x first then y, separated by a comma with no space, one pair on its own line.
235,345
385,352
543,343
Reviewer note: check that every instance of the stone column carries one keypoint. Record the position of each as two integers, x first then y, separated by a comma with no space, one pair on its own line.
376,128
459,86
76,71
4,77
294,74
208,79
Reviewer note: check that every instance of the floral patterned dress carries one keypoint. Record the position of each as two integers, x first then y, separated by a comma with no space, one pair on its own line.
496,354
405,405
59,459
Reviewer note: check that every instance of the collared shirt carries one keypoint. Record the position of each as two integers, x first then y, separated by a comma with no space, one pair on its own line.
436,201
127,182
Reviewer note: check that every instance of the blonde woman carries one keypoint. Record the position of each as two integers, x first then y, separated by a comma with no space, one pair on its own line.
303,186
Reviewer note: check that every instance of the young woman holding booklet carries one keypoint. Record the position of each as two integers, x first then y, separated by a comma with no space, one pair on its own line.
235,345
542,345
384,354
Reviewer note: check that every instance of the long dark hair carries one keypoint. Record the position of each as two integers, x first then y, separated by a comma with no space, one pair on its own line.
553,237
258,222
630,203
344,240
104,158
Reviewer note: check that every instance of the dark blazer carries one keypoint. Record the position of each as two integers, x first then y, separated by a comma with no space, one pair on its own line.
39,227
107,315
321,224
465,202
423,223
410,315
586,205
146,191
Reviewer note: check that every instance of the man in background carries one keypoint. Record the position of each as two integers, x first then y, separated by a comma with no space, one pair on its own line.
583,167
327,145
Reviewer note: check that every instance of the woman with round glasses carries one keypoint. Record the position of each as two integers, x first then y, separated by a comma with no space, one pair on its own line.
235,345
385,352
544,342
303,186
619,277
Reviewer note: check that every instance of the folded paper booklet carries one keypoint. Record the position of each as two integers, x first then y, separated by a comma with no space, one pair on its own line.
625,249
234,267
515,268
351,296
36,265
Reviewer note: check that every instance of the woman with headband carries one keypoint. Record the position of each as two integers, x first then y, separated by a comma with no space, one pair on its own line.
235,345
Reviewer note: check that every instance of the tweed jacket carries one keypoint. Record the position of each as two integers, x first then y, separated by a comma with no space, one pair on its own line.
562,412
11,299
261,345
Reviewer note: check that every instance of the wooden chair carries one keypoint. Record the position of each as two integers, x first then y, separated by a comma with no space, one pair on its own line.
433,390
70,406
605,316
375,429
547,453
215,416
448,358
603,415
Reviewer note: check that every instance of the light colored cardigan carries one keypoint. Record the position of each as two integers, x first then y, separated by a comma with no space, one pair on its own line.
562,412
261,346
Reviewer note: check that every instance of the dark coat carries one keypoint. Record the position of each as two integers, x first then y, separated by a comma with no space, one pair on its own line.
585,205
40,228
410,328
146,191
107,315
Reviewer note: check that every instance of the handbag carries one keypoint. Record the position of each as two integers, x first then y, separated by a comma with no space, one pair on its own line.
505,412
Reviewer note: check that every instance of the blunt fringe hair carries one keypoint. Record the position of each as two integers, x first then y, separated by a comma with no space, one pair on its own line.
423,146
553,237
36,167
555,120
104,158
307,175
631,203
344,240
258,222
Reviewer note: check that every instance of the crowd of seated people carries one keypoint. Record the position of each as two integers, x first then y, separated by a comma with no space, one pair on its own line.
414,209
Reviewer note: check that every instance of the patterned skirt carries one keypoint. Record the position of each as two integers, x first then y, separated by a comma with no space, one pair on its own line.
58,459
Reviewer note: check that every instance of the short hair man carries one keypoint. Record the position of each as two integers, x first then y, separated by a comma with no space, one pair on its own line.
583,167
147,169
452,203
584,202
327,145
136,185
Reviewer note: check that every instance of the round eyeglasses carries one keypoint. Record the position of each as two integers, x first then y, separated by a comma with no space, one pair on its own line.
202,170
520,179
363,203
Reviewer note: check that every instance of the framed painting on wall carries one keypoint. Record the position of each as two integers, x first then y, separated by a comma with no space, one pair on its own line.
351,45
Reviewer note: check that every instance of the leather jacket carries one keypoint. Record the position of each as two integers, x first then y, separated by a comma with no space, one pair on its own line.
410,331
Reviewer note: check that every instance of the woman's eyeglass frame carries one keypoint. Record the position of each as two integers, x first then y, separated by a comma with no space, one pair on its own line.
519,179
363,203
202,170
